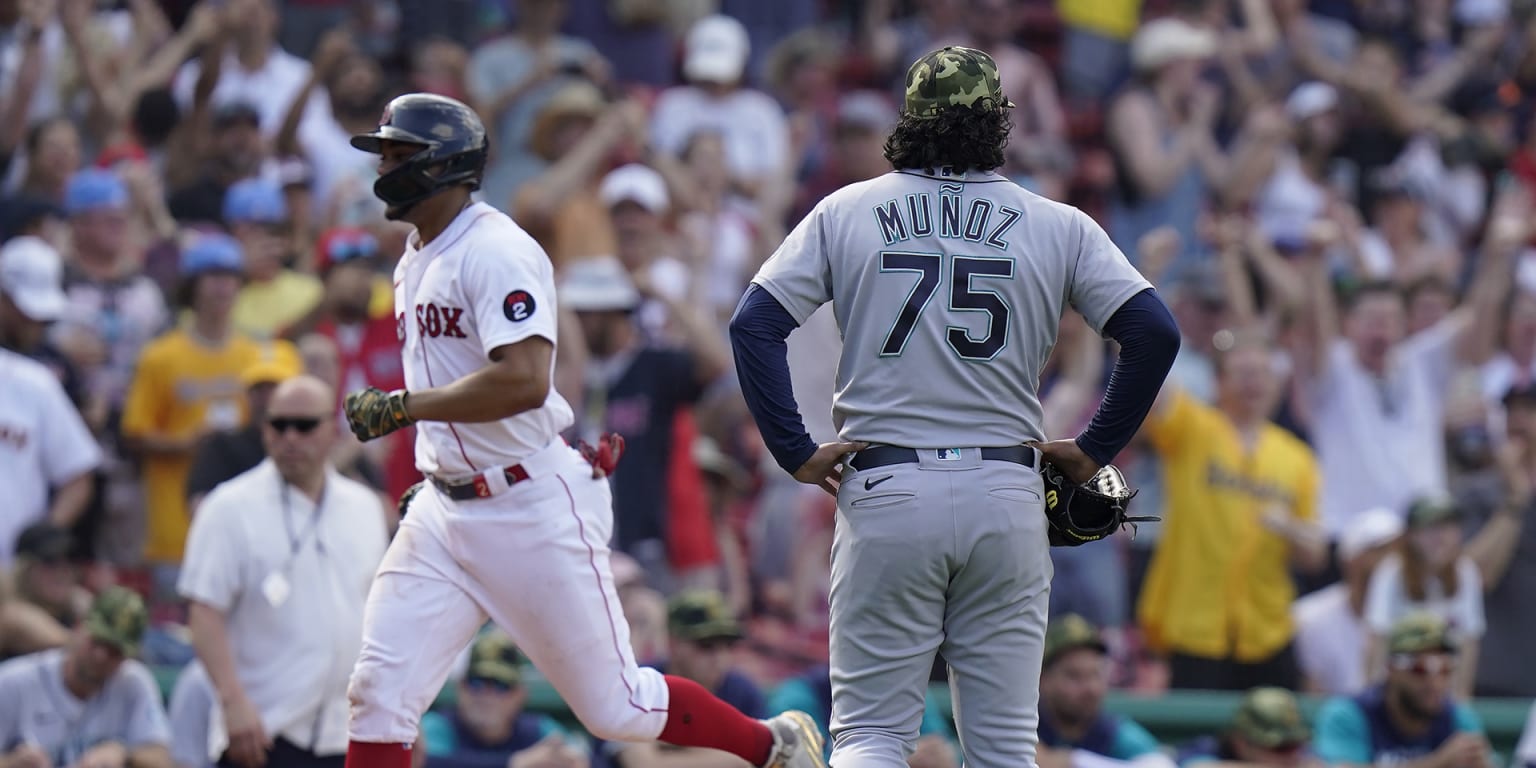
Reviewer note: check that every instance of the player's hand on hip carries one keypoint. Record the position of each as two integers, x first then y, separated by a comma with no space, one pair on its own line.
374,413
248,740
1070,459
824,467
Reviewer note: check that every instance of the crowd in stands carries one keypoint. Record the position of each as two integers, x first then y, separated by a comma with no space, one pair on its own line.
1336,197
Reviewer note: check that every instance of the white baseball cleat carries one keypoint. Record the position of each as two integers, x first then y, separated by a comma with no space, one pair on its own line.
796,741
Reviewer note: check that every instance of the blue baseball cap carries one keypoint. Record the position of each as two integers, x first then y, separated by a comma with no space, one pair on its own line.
94,189
255,200
212,252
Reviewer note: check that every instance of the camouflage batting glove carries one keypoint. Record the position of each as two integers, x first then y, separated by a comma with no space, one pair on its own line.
374,413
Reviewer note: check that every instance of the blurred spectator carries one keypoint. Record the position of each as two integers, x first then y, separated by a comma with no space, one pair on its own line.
1268,730
702,634
1073,681
24,627
353,88
637,37
112,310
1504,547
53,155
366,346
90,703
46,577
1374,396
1412,715
513,77
638,206
190,709
233,150
1429,573
1331,634
46,450
252,68
1095,46
227,453
255,587
489,726
1159,132
726,484
186,386
719,229
644,608
639,388
31,298
862,122
751,123
578,133
1228,468
1298,189
273,296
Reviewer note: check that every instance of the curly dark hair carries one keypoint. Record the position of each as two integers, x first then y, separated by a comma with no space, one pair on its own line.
961,138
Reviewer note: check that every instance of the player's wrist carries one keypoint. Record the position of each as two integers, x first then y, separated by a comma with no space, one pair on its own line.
402,398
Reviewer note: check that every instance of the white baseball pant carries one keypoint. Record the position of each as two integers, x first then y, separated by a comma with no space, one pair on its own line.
532,557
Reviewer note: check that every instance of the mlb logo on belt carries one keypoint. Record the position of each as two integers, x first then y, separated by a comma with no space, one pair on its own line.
948,454
482,488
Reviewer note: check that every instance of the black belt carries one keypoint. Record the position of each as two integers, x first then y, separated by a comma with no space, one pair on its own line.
478,487
886,455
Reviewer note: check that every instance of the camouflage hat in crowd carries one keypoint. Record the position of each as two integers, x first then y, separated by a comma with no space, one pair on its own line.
701,615
1069,633
494,658
118,618
1431,510
1270,718
952,76
1421,633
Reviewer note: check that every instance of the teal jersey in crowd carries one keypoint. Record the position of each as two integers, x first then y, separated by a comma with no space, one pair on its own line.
1356,731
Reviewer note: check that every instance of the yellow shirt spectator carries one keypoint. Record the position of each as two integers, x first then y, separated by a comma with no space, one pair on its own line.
265,309
1112,18
183,387
1219,584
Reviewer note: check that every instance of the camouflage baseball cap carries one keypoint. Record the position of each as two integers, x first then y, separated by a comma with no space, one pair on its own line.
952,76
1070,632
118,618
701,615
494,658
1421,633
1271,718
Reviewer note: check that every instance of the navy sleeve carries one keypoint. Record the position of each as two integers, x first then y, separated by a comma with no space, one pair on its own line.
758,332
1149,341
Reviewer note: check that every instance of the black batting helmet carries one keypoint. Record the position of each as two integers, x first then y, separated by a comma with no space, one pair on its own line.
453,143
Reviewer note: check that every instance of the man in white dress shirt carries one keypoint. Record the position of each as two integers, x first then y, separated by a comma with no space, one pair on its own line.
278,565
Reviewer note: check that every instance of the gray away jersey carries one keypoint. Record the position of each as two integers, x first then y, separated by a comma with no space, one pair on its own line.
949,291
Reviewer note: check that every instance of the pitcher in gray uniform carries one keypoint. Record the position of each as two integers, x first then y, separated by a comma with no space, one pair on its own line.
948,282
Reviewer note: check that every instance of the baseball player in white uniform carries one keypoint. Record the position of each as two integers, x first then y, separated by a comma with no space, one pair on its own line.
512,524
948,282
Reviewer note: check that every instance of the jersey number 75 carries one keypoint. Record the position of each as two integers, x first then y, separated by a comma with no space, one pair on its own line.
963,297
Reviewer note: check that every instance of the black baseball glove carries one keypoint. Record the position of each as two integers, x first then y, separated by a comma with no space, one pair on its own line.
1092,511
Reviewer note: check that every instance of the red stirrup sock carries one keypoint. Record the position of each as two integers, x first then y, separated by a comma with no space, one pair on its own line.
363,754
695,718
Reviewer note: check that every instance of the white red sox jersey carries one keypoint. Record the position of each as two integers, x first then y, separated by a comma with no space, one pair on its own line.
481,284
949,290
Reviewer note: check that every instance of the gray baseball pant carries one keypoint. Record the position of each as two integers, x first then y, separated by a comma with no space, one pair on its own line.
947,554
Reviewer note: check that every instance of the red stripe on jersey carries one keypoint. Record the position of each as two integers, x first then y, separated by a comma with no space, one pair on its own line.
428,368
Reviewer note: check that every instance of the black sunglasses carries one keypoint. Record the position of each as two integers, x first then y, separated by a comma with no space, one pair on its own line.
282,424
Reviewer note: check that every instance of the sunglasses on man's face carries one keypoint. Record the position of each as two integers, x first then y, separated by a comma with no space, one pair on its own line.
482,685
1425,666
303,426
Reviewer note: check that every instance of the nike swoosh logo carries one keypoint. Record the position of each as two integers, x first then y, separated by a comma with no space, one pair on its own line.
870,484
